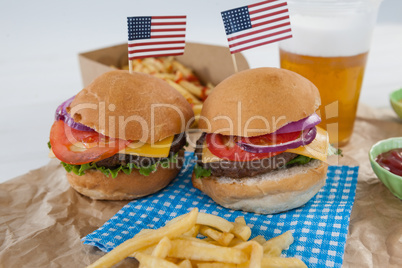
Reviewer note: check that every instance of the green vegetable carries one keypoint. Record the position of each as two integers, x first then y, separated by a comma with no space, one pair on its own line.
201,172
299,160
334,151
128,168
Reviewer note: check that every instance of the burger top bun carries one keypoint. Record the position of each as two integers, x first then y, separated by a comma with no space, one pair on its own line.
258,101
134,106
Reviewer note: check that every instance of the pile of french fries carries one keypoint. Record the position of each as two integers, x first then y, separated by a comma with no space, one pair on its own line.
202,240
178,76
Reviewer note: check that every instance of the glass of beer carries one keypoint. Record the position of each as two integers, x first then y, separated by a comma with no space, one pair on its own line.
330,43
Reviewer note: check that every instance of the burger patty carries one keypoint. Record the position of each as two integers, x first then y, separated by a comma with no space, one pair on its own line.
117,160
235,169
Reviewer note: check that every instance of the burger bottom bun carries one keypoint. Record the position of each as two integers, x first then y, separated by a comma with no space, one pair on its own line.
268,193
96,185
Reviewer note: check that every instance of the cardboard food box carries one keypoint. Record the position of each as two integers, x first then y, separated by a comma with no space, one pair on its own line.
210,63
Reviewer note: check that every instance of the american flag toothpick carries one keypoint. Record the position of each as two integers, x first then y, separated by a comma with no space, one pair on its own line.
256,25
155,36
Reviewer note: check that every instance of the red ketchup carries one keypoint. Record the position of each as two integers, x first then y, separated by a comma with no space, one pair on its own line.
391,161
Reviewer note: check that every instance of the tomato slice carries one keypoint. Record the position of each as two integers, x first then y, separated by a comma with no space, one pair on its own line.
272,138
225,147
77,147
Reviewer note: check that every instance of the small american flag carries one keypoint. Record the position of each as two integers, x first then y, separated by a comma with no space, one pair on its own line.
156,36
256,25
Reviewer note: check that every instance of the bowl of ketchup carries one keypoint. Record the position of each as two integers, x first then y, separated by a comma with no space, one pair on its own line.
386,161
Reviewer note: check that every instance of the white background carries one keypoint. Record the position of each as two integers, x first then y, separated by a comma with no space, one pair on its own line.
40,41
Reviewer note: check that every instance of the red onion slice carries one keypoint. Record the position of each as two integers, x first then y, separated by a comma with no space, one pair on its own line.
307,137
303,124
62,114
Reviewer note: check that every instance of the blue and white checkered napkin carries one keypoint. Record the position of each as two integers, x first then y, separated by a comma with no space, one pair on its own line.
320,227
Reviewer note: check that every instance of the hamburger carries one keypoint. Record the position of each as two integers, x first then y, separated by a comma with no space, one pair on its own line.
260,150
122,136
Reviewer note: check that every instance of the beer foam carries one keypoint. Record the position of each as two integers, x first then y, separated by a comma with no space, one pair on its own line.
324,35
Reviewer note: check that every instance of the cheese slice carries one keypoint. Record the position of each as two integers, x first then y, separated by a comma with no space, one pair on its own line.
317,149
157,149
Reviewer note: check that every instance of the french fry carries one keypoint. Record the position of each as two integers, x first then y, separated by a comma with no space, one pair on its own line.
274,246
162,248
235,241
146,250
180,67
167,63
259,239
217,265
241,231
277,262
190,238
223,238
255,251
170,70
147,239
154,65
241,220
187,95
194,89
209,240
197,108
193,231
226,245
151,261
166,76
173,260
214,221
199,251
185,264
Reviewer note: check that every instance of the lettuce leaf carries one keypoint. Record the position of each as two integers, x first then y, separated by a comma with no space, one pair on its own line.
127,169
334,151
299,160
201,172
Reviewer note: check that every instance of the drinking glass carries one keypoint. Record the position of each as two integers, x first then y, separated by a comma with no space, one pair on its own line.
330,43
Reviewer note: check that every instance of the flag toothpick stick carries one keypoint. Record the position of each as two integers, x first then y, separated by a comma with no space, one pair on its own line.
234,63
130,66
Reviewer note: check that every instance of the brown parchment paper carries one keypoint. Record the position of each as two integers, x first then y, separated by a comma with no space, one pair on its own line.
42,219
375,229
